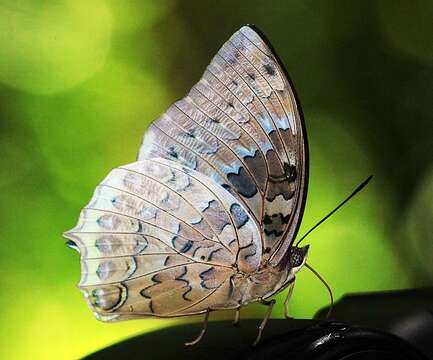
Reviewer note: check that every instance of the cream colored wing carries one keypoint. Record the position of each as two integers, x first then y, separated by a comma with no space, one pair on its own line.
164,240
241,126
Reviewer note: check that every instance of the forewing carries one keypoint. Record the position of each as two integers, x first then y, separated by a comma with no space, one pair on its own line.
241,126
161,239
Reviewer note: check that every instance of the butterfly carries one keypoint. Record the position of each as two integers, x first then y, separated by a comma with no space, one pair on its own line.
205,220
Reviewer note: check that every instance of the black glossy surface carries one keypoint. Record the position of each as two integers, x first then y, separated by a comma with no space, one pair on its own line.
283,339
405,313
384,325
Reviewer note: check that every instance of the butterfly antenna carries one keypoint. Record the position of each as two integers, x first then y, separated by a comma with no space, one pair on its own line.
357,190
331,308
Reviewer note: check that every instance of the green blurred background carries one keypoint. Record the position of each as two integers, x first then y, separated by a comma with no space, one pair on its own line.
81,80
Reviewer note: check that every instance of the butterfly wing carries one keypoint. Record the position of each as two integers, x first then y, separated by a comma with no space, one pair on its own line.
241,126
219,189
161,239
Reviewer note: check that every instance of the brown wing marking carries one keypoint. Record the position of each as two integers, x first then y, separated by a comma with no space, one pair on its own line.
210,209
219,114
244,86
227,152
117,197
293,133
97,245
171,291
225,164
246,228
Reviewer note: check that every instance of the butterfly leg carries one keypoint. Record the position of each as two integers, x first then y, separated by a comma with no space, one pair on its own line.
237,316
286,301
203,330
270,304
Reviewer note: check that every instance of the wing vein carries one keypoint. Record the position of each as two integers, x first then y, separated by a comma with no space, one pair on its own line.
216,196
264,77
202,299
165,211
144,175
258,97
145,222
225,144
228,115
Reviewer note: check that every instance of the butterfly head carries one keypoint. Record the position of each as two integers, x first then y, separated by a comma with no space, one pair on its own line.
298,257
293,261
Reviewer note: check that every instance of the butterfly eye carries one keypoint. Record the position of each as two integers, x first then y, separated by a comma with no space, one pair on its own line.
298,255
296,259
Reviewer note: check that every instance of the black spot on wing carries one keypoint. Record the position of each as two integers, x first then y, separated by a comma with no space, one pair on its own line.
270,70
173,241
141,244
190,133
188,289
187,285
72,245
275,224
172,152
226,186
290,172
186,246
167,259
270,219
182,245
232,242
243,183
206,207
195,251
145,292
240,217
253,250
206,279
231,61
287,194
211,255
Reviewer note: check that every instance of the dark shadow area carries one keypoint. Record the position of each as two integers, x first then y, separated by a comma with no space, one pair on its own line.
404,313
386,325
284,339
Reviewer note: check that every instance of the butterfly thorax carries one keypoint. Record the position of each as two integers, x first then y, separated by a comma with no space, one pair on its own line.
268,279
265,282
